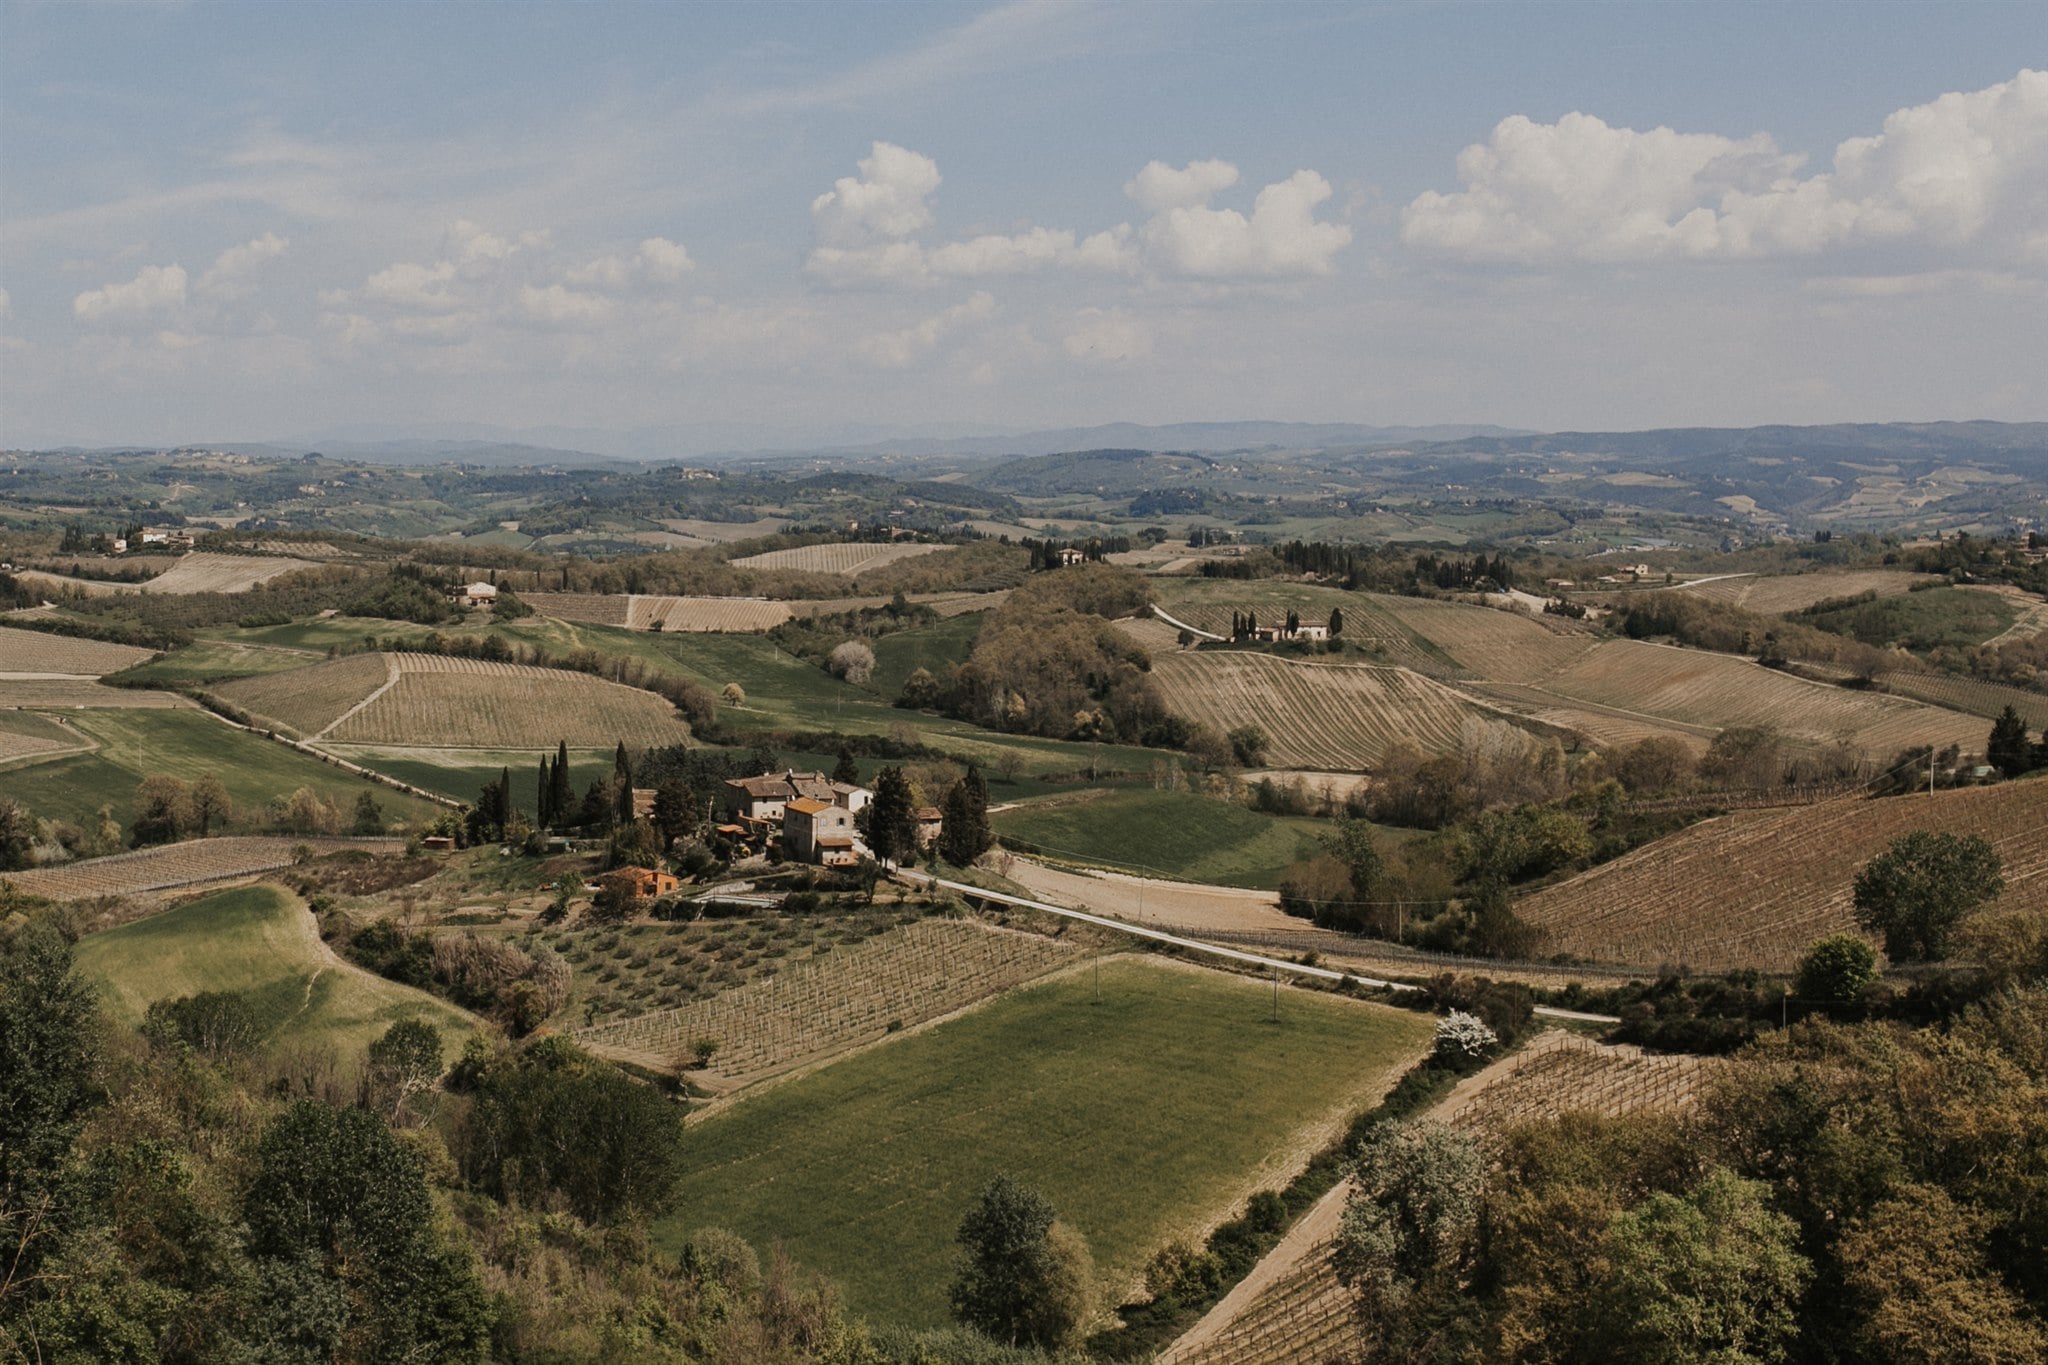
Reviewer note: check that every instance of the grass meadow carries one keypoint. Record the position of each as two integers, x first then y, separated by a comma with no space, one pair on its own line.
1174,834
260,940
187,744
1145,1117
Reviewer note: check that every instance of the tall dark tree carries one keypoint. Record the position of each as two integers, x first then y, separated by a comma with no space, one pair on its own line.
622,786
561,797
1336,622
890,827
2008,748
543,795
964,835
846,770
48,1032
675,814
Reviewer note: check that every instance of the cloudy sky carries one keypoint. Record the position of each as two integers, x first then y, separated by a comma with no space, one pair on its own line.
225,221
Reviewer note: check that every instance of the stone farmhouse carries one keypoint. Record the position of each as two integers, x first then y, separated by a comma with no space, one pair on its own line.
818,832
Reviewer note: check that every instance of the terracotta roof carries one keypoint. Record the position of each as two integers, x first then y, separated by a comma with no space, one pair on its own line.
804,805
759,787
834,841
928,813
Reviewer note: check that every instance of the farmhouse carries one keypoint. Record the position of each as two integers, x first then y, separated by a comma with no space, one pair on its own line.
1273,634
929,821
766,797
476,595
648,883
1070,556
818,832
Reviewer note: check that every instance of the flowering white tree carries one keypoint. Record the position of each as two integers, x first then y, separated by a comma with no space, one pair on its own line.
1461,1036
853,661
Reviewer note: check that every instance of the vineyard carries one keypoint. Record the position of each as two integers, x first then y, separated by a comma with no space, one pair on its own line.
1291,1310
724,532
305,701
836,1000
1755,889
35,651
52,693
1340,717
850,558
584,608
1661,683
1973,695
222,573
188,864
738,615
1506,646
1779,594
474,704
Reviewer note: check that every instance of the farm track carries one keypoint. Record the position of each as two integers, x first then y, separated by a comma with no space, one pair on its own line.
1755,889
1291,1310
192,863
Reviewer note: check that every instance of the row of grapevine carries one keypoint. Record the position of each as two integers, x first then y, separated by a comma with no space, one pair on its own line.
839,998
186,864
35,651
840,557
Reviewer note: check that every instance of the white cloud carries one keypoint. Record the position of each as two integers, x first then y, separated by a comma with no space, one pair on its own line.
867,228
228,276
408,284
1160,187
565,307
664,261
154,288
1282,236
896,350
1107,336
887,201
1966,170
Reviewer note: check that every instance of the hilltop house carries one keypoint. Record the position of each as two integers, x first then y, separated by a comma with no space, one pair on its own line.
476,595
818,832
1070,556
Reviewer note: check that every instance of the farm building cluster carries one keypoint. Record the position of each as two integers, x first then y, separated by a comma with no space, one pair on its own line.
810,814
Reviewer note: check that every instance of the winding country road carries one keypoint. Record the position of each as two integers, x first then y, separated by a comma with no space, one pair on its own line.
1214,950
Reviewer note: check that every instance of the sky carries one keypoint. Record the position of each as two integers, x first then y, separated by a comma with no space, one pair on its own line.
775,223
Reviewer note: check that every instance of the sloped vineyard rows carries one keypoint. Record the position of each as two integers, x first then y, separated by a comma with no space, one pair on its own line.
1755,889
1778,594
848,558
1339,717
474,704
1503,646
306,701
1720,690
35,651
1973,695
186,864
835,1000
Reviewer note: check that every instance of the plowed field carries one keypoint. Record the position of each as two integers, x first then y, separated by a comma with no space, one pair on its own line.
35,651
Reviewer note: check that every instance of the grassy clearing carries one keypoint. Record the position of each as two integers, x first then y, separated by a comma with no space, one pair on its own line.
462,773
1920,621
260,940
934,647
207,661
1143,1118
1173,834
189,744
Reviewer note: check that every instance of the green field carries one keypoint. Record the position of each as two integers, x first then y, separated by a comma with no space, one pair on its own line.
187,744
934,647
260,940
1141,1118
462,773
1172,834
206,661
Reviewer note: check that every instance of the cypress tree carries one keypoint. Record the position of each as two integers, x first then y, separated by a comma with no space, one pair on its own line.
543,795
2008,749
622,785
562,797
